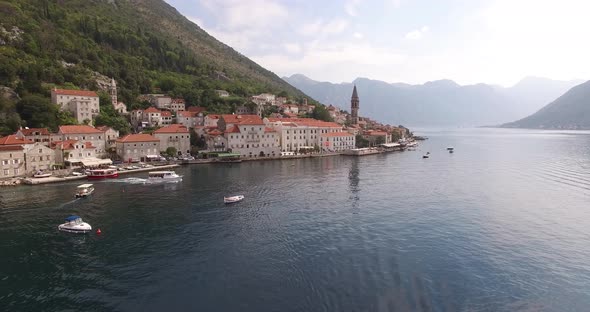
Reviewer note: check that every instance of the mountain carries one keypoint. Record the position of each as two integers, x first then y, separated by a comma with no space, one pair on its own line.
437,103
569,111
143,44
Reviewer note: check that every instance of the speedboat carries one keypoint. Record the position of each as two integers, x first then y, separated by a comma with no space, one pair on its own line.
41,174
163,176
74,224
427,155
233,199
102,173
84,190
450,149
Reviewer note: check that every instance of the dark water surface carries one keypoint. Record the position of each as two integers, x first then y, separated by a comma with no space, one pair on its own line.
503,224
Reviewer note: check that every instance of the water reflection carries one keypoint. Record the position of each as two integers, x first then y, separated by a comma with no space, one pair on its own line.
353,183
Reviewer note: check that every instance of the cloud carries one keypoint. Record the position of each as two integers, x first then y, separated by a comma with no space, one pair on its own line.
417,34
292,48
319,27
358,35
351,7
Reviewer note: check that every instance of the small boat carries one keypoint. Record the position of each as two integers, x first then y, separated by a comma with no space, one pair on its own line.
427,155
74,224
41,174
451,151
77,174
84,190
233,199
163,176
102,173
450,148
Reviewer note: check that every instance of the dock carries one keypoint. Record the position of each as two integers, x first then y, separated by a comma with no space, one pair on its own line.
37,181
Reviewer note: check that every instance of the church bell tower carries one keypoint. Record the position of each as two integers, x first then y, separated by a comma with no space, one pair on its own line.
354,107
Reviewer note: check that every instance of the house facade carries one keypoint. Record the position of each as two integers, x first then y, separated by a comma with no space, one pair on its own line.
189,119
177,136
85,134
12,161
249,136
297,134
41,135
74,152
83,104
38,157
135,147
337,141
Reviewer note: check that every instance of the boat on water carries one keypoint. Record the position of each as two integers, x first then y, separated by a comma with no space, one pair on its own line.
450,148
84,190
41,174
427,155
233,199
102,173
74,224
163,176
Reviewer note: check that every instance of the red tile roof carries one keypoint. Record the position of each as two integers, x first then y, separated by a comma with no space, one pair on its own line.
166,114
75,129
103,128
309,122
336,134
69,144
267,129
187,114
30,131
14,140
375,133
141,137
233,129
242,119
152,110
178,101
214,132
174,128
74,92
196,109
7,148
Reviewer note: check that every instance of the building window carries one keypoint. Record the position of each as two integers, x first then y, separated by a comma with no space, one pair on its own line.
6,172
16,161
5,162
16,171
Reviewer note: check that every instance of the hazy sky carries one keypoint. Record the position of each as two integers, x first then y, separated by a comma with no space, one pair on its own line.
414,41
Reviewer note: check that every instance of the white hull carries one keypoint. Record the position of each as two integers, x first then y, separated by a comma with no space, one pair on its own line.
164,180
76,228
233,199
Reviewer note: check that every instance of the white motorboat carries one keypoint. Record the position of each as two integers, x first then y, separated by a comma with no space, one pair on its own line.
41,174
450,148
84,190
163,176
233,199
74,224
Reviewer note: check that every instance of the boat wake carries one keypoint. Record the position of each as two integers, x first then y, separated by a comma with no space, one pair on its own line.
127,181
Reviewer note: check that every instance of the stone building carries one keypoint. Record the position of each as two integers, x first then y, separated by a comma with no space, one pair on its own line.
135,147
83,104
177,136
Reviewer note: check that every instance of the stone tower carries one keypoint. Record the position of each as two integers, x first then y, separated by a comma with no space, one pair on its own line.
113,92
354,107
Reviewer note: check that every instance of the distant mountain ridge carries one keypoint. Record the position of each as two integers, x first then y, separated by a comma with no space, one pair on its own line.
437,103
569,111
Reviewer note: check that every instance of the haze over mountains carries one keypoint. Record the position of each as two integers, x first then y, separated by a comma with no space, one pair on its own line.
569,111
438,103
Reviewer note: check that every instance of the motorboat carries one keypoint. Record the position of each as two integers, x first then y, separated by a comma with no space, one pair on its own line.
450,149
233,199
74,224
41,174
77,174
163,176
102,173
84,190
427,155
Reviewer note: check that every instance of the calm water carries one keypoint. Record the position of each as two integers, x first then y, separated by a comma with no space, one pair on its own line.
502,224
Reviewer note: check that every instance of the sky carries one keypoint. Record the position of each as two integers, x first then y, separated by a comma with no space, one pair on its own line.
413,41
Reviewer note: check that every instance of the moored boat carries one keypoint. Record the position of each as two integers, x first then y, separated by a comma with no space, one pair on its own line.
41,174
102,173
163,176
233,199
74,224
84,190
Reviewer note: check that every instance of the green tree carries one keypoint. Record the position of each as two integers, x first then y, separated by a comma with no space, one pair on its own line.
321,113
171,151
361,141
38,112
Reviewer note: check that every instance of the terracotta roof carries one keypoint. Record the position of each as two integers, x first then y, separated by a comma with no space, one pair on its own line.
309,122
178,101
141,137
152,110
212,116
233,129
10,148
70,144
74,92
174,128
14,140
166,114
375,133
267,129
336,134
187,114
104,128
290,115
196,109
242,119
75,129
41,131
214,132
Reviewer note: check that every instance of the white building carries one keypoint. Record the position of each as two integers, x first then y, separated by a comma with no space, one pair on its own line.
38,157
84,105
75,152
12,161
337,141
189,119
177,136
297,134
135,147
110,136
177,105
85,134
248,136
